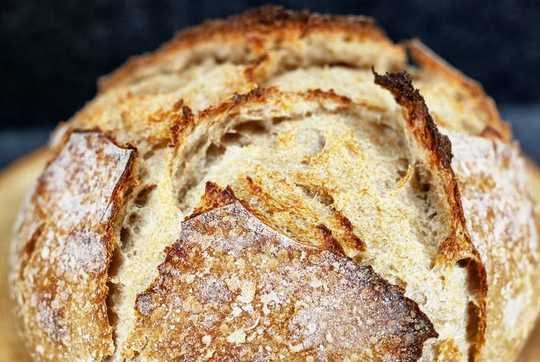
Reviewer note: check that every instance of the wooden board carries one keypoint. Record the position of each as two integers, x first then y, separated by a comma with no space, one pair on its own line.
14,182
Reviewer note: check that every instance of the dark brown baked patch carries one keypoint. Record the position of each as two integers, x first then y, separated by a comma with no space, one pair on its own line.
62,286
457,247
231,288
259,29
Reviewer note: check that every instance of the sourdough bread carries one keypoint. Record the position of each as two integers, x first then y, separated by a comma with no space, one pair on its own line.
281,185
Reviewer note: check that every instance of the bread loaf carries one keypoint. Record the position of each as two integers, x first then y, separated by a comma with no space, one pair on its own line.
280,186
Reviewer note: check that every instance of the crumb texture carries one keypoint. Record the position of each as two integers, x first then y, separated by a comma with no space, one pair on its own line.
233,288
275,185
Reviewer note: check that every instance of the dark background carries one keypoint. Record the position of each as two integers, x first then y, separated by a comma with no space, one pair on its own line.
51,52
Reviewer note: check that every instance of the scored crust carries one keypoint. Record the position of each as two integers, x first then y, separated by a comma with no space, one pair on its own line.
457,246
64,247
494,185
232,288
438,73
271,103
254,32
223,96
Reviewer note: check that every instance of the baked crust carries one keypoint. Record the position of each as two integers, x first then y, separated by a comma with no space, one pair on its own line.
233,288
64,247
500,217
179,106
458,246
14,182
258,30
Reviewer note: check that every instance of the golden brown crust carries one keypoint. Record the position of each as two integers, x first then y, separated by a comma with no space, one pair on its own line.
439,150
338,236
65,246
232,288
253,29
447,351
214,197
151,112
417,115
186,121
458,245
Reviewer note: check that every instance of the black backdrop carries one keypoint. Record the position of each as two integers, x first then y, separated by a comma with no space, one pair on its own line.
51,52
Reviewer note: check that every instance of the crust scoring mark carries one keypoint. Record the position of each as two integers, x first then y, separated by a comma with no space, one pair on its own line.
258,28
458,245
270,21
270,297
64,280
418,116
493,182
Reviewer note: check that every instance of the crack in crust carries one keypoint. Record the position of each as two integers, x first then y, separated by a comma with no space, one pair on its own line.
341,239
418,117
458,245
232,287
257,35
258,29
187,121
60,282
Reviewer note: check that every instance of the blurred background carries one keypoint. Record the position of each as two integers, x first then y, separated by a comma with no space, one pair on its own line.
53,51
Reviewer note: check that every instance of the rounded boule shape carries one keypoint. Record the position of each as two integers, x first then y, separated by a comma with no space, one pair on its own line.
280,185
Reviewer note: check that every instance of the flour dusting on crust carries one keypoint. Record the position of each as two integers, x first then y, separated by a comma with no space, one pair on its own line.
499,213
231,288
62,270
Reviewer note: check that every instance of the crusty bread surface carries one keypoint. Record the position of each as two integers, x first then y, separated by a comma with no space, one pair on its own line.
281,185
14,183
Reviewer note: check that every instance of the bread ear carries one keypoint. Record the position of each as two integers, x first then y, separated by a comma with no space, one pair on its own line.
303,37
